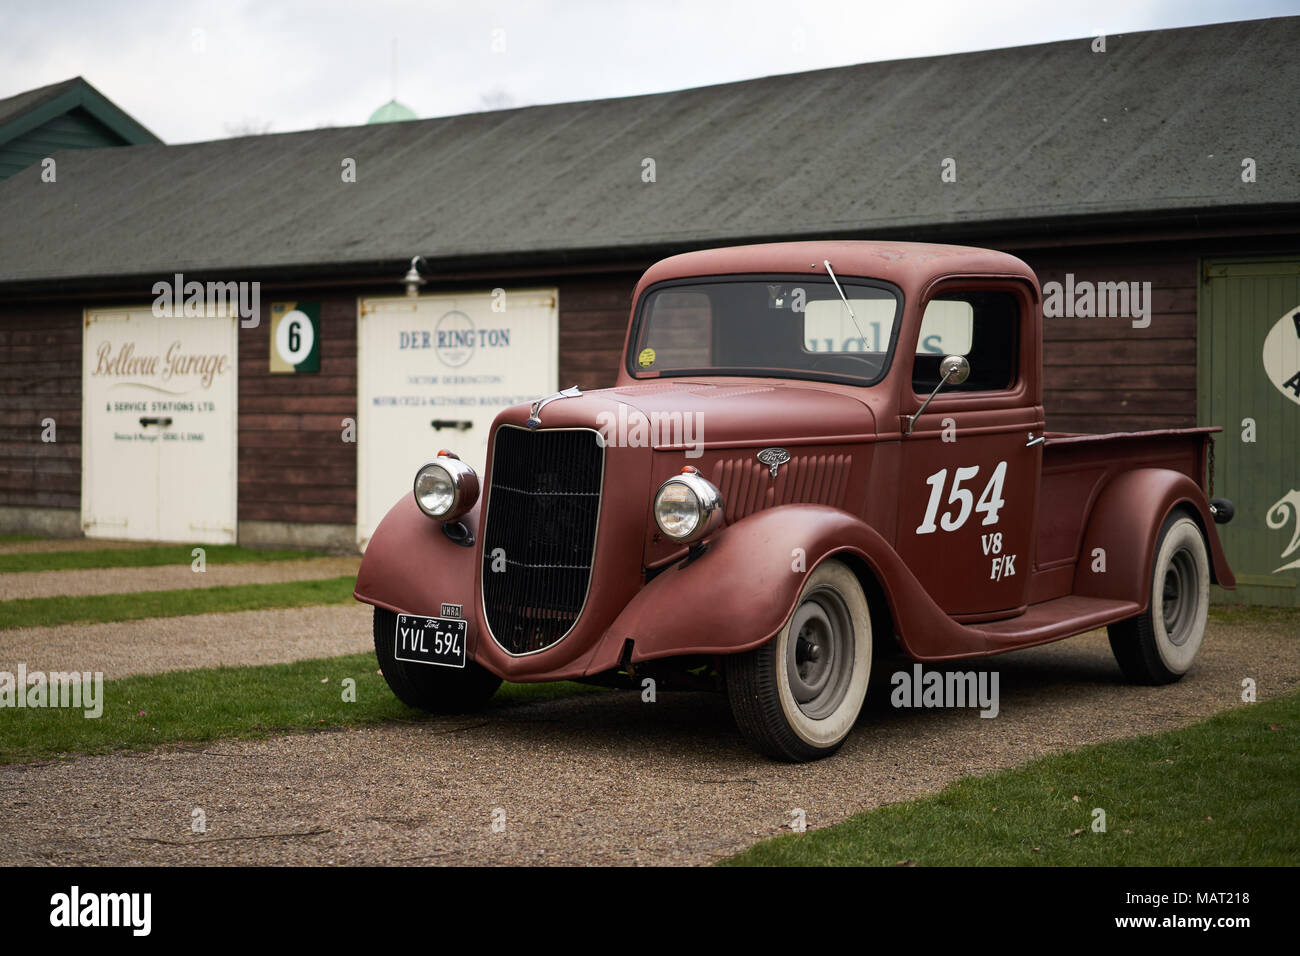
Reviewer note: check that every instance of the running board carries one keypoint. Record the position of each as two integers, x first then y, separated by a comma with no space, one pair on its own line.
1053,620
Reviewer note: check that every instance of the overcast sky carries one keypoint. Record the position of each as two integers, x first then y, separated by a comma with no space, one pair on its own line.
206,69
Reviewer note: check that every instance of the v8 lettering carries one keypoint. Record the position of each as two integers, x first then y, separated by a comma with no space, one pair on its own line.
989,504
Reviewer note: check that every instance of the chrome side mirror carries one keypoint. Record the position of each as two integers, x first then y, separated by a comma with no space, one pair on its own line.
954,369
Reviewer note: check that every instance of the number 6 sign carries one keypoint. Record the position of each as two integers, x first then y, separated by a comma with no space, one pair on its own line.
295,337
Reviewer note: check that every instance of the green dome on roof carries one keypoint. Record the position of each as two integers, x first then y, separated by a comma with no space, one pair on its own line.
392,112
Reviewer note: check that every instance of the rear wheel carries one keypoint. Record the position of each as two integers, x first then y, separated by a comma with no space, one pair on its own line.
440,690
1158,646
796,698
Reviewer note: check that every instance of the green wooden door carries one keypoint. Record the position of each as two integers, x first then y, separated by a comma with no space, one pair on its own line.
1248,381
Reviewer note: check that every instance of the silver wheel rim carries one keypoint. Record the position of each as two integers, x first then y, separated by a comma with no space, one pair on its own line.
819,653
1179,596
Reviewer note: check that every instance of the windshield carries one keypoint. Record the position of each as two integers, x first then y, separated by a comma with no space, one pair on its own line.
795,326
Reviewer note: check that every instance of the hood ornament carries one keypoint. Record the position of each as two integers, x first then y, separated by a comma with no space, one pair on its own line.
774,458
535,410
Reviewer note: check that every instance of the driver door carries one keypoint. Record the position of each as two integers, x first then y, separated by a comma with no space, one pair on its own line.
968,493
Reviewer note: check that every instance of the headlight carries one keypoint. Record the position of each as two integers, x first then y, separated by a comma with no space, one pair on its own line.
688,508
446,487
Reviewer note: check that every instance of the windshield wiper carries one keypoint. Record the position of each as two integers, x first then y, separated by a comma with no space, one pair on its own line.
845,299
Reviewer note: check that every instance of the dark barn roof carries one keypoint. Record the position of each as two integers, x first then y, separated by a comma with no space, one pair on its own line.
70,114
1047,137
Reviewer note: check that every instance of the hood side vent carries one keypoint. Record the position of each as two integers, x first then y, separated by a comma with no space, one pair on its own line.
747,484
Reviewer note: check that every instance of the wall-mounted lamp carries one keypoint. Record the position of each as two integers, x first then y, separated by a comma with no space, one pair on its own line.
413,279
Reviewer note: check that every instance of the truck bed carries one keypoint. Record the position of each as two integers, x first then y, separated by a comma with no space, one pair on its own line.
1076,467
1073,438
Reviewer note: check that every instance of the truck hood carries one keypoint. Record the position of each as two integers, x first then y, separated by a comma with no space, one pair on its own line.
734,411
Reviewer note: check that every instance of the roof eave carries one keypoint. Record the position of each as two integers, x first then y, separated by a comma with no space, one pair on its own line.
1112,228
81,94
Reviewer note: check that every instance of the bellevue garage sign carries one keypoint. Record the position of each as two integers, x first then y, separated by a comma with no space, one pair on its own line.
175,363
158,437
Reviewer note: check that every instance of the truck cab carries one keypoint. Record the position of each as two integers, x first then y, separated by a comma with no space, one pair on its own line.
816,456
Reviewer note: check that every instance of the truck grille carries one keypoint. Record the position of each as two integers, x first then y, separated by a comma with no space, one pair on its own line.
542,508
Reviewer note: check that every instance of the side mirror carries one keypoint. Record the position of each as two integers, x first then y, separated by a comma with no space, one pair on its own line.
953,369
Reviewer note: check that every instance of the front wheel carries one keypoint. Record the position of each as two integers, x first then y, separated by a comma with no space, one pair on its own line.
1157,646
797,697
439,690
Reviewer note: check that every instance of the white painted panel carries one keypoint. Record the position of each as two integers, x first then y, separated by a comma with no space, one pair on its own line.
457,359
165,481
828,327
119,458
946,328
198,470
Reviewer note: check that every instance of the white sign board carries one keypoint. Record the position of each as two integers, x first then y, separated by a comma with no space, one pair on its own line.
432,373
159,413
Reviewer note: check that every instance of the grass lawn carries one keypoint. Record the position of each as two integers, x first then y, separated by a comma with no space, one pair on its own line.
99,608
154,556
11,538
1218,793
1252,614
201,705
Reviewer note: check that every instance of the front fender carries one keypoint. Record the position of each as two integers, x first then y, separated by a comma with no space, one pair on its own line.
738,594
395,573
1124,525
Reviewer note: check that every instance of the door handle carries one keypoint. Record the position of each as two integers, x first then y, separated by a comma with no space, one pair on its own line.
463,425
162,422
1035,441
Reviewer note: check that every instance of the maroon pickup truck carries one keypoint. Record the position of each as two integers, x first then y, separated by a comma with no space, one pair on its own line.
816,455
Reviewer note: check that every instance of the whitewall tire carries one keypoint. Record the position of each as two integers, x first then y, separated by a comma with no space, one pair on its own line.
1159,645
797,697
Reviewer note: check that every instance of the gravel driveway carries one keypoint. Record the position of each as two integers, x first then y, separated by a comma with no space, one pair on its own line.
35,584
199,640
594,779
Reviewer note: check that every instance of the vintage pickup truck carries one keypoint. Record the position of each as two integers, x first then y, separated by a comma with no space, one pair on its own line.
817,455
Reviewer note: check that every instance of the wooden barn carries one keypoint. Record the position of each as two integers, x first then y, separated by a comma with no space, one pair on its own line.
1152,181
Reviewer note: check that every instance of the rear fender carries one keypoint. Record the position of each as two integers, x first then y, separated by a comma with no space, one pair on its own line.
1123,527
739,593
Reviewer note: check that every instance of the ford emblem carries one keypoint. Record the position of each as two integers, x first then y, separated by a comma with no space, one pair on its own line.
774,458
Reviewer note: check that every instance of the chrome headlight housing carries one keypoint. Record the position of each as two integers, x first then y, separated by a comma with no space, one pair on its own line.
446,487
688,507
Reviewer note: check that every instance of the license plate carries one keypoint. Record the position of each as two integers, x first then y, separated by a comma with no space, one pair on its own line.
431,640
